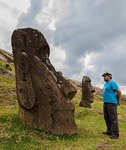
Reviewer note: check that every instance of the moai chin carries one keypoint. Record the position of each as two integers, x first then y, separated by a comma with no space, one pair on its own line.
44,96
87,92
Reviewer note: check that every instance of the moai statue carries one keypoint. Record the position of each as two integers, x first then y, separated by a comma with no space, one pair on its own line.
87,92
44,96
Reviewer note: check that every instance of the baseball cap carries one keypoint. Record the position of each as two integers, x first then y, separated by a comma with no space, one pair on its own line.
107,73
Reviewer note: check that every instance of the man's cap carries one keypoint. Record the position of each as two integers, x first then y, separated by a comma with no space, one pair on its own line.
107,73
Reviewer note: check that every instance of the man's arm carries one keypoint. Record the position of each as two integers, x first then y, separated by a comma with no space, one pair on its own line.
118,91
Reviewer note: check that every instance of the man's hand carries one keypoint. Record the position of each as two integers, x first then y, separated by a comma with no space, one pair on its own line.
118,91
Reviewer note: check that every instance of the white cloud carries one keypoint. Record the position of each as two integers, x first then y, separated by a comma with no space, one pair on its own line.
10,11
57,57
15,4
93,27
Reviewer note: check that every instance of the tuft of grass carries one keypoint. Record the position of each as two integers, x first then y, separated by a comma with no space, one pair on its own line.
2,64
16,136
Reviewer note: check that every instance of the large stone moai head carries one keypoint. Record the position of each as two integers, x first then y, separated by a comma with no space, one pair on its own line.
44,96
87,92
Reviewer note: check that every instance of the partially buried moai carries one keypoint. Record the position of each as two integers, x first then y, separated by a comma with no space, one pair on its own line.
87,92
44,96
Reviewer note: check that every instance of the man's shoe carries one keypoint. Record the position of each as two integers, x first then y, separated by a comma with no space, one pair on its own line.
114,137
106,133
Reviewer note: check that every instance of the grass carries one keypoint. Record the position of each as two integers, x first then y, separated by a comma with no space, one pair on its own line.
10,69
90,122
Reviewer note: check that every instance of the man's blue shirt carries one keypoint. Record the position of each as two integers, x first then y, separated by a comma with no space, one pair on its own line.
109,94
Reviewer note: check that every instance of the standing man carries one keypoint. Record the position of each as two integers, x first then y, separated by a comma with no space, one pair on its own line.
111,98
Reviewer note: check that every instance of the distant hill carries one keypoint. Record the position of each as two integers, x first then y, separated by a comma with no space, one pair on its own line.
6,56
75,83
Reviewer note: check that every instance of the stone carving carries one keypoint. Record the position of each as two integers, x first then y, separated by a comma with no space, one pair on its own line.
44,96
87,92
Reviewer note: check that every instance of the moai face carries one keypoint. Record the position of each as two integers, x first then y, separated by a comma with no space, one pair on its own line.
87,92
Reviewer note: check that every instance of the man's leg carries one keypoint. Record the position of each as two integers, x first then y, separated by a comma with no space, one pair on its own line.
106,117
114,120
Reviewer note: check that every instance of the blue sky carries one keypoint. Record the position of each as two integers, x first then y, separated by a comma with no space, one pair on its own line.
86,37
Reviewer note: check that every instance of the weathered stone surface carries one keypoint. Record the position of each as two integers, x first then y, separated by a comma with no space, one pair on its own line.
44,95
87,92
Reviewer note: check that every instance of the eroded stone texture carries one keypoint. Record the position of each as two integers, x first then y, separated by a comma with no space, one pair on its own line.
87,92
44,95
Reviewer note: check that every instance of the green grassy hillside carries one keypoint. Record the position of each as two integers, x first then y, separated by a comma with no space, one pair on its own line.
90,122
6,56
